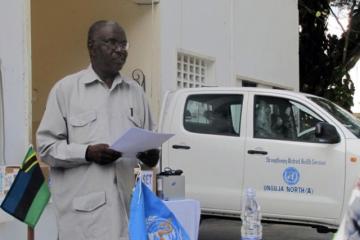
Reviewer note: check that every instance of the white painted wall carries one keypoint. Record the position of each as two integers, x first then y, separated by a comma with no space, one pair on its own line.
12,229
16,81
198,26
2,128
249,40
15,57
266,41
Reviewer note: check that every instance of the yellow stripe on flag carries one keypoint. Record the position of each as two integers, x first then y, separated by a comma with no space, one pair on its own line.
32,165
29,157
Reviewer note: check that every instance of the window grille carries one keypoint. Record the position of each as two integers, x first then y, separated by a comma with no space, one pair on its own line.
192,71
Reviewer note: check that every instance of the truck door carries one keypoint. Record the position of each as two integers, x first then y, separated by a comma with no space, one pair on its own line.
209,148
294,174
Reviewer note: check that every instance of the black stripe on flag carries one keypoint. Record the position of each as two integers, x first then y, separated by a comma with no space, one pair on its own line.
29,162
32,189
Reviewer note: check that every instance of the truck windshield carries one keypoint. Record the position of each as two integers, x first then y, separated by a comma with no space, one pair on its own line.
343,116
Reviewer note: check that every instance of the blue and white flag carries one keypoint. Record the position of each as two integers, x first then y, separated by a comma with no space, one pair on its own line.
151,219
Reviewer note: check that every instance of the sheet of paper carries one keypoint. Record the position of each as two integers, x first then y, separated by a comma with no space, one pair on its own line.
137,140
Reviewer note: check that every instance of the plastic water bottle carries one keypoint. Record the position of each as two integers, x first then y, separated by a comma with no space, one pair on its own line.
251,228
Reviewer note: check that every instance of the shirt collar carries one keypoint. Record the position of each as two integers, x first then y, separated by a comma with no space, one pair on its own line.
91,76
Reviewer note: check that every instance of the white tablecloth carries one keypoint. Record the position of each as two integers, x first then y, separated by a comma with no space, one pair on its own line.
187,212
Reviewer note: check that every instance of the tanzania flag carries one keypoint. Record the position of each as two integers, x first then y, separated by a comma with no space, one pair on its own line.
29,193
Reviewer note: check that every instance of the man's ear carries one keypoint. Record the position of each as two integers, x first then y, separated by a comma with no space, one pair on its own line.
90,45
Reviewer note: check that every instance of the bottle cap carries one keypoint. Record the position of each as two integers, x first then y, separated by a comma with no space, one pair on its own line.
250,192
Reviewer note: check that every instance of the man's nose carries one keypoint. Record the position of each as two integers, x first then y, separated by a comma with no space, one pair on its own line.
118,48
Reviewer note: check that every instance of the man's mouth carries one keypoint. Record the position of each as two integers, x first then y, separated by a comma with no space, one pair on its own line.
119,58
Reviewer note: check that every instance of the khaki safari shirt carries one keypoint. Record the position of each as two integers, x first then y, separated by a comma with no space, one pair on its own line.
91,201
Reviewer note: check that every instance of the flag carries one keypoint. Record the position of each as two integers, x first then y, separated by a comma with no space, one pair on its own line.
151,219
29,193
350,225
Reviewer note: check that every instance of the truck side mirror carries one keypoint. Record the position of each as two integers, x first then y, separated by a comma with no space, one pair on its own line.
326,133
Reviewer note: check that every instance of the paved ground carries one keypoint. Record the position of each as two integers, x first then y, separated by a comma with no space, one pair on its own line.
219,229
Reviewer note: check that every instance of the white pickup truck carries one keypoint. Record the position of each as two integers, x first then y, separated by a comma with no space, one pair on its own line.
300,152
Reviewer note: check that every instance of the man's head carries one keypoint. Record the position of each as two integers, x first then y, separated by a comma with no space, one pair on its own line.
107,45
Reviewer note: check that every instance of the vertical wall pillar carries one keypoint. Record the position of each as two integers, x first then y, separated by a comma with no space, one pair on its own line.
15,57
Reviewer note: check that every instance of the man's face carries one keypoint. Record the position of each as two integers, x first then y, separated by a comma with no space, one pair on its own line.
108,51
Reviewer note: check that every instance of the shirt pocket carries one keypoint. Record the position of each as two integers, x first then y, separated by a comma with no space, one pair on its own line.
89,202
90,215
82,127
82,119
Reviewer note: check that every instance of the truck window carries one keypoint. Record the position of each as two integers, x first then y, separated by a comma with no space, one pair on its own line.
343,116
284,119
213,114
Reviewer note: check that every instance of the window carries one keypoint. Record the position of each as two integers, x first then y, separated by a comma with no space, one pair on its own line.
348,120
284,119
213,114
248,84
192,71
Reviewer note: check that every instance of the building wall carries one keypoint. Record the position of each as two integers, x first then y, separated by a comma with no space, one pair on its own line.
247,40
200,27
59,32
241,46
266,42
16,82
15,70
56,35
12,229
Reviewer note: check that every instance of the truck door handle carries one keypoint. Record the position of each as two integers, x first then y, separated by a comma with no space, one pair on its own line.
257,152
181,147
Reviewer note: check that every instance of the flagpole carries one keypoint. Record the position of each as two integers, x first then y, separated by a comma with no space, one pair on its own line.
30,233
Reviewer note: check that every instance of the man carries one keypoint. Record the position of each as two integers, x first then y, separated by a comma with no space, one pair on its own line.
86,111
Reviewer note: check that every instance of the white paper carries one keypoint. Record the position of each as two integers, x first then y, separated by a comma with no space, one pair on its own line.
137,140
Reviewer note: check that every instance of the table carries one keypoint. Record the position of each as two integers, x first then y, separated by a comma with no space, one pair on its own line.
187,212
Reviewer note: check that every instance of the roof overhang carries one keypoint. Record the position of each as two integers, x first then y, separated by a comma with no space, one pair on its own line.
146,1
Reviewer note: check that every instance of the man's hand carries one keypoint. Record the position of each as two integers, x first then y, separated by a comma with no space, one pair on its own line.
101,154
150,157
